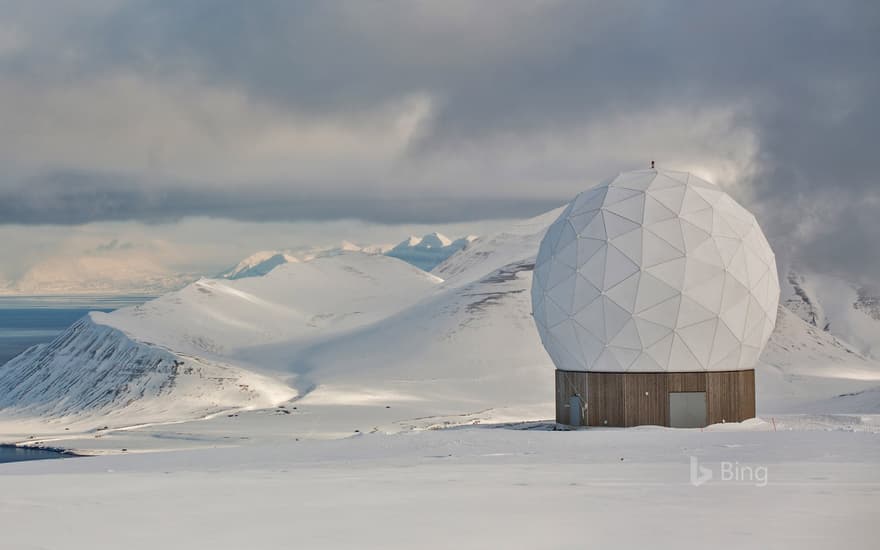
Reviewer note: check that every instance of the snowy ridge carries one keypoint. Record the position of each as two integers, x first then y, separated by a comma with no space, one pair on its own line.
117,376
487,254
258,264
261,263
845,309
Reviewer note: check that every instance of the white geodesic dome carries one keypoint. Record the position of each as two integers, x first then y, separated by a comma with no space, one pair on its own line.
655,271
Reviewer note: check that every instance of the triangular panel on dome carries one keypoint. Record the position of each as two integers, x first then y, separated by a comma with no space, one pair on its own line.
589,200
656,250
617,267
558,273
580,221
755,267
632,208
763,291
561,357
693,202
659,352
567,236
594,268
615,318
625,292
617,225
735,318
569,254
591,347
723,344
592,318
741,227
690,312
734,292
703,219
756,314
698,338
630,244
652,291
727,248
586,249
618,194
710,193
606,362
555,314
628,337
670,196
662,181
681,358
566,333
707,253
624,356
734,209
669,231
671,272
595,228
563,293
696,272
665,313
655,211
754,333
708,293
637,180
677,175
722,227
693,235
731,360
584,293
644,363
649,332
738,267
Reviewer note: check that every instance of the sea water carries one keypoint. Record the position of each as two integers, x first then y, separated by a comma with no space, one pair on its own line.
29,320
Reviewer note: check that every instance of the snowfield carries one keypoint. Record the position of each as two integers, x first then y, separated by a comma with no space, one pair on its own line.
353,400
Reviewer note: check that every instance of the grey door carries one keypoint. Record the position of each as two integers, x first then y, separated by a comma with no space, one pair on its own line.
575,418
687,409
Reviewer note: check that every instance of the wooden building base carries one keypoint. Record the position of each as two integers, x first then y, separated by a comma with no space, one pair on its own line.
634,399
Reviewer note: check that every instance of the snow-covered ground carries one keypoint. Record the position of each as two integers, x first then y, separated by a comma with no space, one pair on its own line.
476,487
304,406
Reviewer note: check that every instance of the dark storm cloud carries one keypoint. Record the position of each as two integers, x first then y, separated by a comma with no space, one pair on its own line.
77,198
804,74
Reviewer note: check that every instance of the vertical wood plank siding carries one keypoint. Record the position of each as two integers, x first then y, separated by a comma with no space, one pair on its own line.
634,399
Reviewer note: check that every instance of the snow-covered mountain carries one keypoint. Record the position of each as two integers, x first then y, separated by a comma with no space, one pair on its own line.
258,264
847,310
430,250
351,328
261,263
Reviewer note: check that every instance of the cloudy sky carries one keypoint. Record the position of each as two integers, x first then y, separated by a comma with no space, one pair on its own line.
196,131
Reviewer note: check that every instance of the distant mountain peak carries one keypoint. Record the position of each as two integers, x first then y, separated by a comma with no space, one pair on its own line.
429,251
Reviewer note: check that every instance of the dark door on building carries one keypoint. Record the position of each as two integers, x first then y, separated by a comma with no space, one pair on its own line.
687,409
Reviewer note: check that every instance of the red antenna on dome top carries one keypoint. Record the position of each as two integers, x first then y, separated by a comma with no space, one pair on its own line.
652,165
